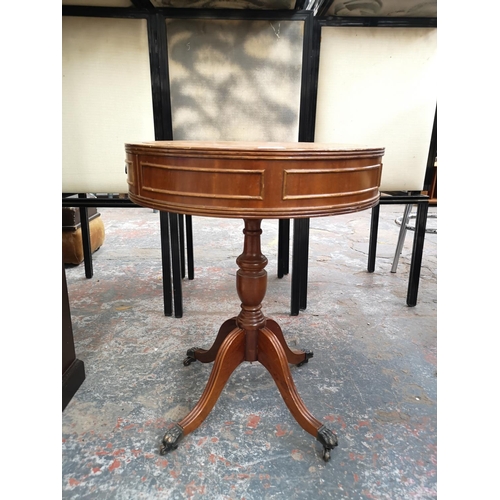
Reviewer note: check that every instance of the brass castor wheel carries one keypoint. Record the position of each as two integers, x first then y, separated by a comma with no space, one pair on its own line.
170,440
190,357
309,355
328,439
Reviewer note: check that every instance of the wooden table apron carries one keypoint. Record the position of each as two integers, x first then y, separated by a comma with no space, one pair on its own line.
252,181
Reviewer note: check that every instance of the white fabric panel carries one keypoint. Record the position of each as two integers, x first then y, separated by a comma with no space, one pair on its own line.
377,86
106,100
235,80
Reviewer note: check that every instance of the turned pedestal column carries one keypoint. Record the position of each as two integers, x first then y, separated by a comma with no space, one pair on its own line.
250,337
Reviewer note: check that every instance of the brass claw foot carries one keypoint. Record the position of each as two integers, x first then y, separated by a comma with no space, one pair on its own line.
190,357
309,354
328,439
170,439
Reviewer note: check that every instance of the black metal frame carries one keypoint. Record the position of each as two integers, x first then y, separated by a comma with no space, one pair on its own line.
300,262
422,202
301,226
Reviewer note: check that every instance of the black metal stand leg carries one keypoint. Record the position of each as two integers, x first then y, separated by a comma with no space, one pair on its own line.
181,245
295,296
176,263
189,246
417,252
299,265
372,246
401,237
87,248
304,259
165,264
283,247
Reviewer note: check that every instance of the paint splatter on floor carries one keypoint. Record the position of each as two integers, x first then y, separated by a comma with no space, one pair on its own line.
372,378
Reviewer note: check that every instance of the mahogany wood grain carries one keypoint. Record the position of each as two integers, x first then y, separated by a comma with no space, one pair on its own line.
208,355
261,180
272,356
294,356
230,355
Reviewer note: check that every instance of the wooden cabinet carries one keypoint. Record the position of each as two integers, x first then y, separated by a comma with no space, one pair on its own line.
73,371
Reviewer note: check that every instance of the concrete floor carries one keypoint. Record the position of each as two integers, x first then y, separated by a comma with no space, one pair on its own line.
372,379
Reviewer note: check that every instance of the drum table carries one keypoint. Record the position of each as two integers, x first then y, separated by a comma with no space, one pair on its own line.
252,181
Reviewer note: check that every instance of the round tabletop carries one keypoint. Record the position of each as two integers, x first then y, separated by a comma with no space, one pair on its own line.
264,180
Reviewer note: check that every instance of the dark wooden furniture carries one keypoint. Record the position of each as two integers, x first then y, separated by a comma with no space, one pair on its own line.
252,181
74,246
73,370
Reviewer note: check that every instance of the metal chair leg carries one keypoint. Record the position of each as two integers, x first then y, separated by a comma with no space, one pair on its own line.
283,247
418,250
173,261
165,264
181,245
176,263
372,246
299,265
304,267
189,246
295,297
87,247
402,236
